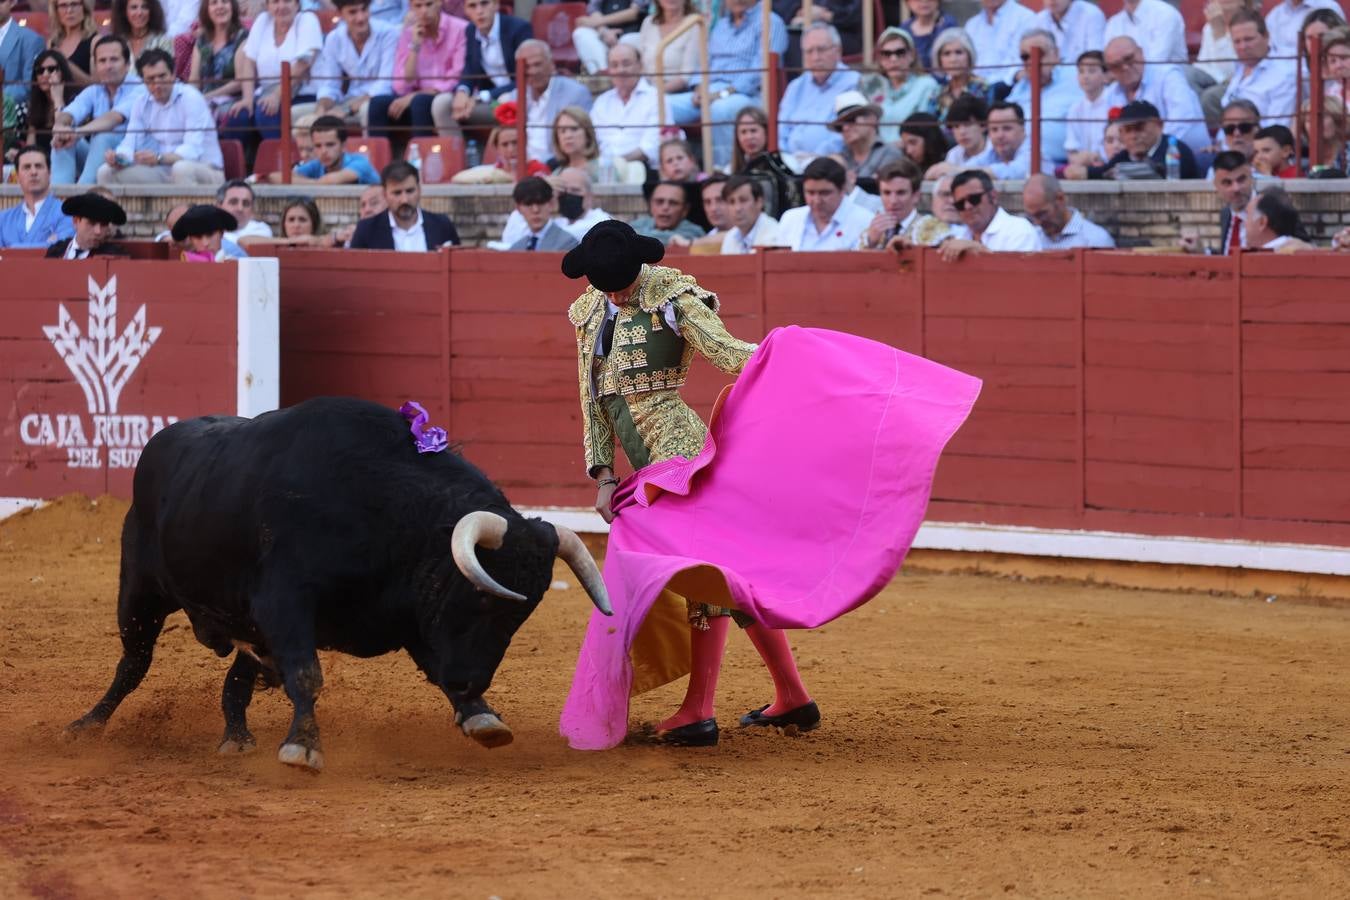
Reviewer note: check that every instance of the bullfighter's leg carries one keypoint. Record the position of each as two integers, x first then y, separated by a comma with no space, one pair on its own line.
287,625
234,700
475,717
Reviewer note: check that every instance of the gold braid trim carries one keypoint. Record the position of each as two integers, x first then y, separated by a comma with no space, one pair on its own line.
661,284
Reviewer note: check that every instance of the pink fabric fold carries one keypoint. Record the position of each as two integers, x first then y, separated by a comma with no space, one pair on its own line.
806,497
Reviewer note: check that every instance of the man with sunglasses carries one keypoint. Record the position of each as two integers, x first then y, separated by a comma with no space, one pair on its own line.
1163,86
985,227
1240,120
18,48
1059,92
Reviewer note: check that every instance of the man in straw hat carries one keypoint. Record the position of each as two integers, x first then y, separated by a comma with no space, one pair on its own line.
864,153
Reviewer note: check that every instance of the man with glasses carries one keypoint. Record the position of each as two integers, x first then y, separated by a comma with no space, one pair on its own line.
171,134
18,48
1145,154
1240,120
985,227
1268,83
1059,225
1163,86
808,105
95,121
1059,92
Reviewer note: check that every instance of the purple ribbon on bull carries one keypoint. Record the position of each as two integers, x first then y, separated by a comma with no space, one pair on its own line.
428,440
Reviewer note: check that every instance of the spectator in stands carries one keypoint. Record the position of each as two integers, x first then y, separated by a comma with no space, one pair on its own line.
1059,92
855,193
574,143
751,227
715,210
1269,83
1009,153
1216,55
171,219
236,198
994,30
967,122
53,87
922,140
667,206
94,219
956,61
332,164
546,94
677,163
535,203
84,131
944,208
1238,123
220,34
604,25
926,21
427,61
826,222
1285,20
19,47
371,202
1156,28
1331,162
1076,26
626,118
1341,240
141,24
899,89
37,220
406,227
576,202
856,119
1273,223
303,140
844,16
170,136
1233,184
807,106
201,231
281,34
734,48
492,41
355,65
752,137
1088,117
1058,225
300,218
985,226
1274,155
681,56
900,224
1336,63
1319,22
1163,86
71,33
1145,153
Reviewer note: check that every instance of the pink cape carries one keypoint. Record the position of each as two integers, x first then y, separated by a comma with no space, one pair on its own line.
806,497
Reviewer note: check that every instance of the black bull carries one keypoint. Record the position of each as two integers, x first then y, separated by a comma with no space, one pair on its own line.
321,526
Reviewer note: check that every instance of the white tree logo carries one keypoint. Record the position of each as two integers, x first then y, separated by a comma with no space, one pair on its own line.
101,362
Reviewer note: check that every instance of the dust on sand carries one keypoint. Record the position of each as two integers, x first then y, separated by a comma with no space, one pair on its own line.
982,737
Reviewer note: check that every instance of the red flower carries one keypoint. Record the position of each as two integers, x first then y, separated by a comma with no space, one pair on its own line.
505,113
535,167
1113,113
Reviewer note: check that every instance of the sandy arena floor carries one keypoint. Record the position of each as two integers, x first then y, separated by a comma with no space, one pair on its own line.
983,737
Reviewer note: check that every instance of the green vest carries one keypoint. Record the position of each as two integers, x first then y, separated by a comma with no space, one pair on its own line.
647,355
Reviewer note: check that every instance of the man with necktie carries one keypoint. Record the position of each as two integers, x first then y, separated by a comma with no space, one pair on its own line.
94,217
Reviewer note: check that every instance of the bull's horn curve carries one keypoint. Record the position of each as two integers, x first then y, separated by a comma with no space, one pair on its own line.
486,529
573,552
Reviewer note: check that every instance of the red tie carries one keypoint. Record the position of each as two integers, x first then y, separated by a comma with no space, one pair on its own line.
1234,236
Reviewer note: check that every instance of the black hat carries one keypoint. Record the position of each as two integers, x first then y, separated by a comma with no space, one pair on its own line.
202,220
1139,111
611,255
95,208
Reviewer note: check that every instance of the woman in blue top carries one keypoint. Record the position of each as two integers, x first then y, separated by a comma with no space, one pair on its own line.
926,22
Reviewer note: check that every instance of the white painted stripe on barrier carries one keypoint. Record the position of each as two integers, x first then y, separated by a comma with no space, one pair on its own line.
11,505
259,321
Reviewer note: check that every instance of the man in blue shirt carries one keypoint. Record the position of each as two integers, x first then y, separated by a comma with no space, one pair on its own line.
38,220
96,120
331,163
1059,92
807,109
734,48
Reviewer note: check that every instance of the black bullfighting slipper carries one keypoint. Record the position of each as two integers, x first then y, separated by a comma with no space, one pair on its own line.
803,718
695,734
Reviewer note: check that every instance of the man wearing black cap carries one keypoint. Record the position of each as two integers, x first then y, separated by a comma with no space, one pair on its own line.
94,217
202,231
638,327
1146,149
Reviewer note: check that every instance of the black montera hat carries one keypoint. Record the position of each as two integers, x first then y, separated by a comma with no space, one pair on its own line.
611,255
202,220
95,208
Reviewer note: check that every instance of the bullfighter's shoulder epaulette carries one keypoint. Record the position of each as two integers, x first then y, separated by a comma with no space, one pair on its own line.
581,310
663,284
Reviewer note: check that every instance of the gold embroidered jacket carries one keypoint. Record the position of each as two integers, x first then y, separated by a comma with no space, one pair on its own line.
632,393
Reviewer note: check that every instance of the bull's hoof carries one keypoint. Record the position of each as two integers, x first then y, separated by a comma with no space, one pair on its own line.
238,744
301,756
488,730
83,727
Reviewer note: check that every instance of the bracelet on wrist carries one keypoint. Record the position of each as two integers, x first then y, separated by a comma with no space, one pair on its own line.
604,481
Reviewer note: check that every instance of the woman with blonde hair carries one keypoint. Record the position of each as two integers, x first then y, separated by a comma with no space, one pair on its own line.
1331,159
954,58
72,34
680,58
899,88
574,143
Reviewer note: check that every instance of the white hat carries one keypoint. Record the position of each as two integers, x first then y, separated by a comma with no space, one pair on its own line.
850,104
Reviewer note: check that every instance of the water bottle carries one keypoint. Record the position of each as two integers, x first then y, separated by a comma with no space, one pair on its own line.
415,156
472,155
434,168
1173,159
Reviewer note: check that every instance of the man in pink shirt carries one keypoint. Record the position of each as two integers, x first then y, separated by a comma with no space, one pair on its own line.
428,61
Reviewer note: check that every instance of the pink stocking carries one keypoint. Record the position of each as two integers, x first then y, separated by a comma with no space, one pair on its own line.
705,659
788,690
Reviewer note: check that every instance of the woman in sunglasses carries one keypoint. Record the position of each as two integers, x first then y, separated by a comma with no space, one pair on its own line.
73,32
900,89
51,91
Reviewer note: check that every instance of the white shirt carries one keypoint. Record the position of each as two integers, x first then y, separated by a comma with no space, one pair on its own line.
996,43
368,72
957,154
1156,27
763,234
863,200
1006,234
1271,86
623,127
490,51
180,15
413,239
29,217
184,126
1080,30
539,139
1216,55
1277,242
1077,232
1090,130
254,228
303,38
1284,22
74,251
797,229
579,228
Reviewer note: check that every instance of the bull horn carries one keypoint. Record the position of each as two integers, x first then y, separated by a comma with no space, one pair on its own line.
475,529
573,552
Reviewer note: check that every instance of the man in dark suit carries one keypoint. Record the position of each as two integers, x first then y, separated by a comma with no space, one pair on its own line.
18,49
405,225
536,205
94,217
489,68
1233,183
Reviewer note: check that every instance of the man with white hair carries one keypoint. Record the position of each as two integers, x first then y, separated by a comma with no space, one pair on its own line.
1059,92
994,31
546,94
1163,86
807,107
627,125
